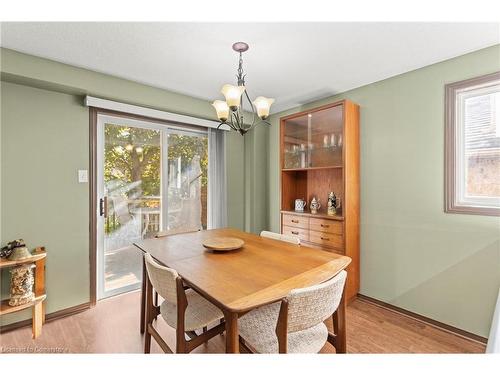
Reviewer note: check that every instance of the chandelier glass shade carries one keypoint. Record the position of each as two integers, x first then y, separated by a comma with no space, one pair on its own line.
263,106
222,110
231,112
233,95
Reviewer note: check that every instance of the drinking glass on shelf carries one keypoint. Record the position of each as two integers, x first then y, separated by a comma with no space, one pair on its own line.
302,160
332,140
339,142
325,140
291,156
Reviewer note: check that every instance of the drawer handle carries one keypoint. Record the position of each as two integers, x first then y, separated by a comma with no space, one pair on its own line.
295,221
325,225
296,233
325,238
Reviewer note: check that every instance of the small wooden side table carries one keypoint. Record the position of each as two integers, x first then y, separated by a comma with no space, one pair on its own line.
38,304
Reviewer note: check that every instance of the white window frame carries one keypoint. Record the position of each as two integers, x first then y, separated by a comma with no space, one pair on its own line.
456,199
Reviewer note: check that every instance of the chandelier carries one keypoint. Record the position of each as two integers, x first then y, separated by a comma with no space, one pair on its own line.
231,111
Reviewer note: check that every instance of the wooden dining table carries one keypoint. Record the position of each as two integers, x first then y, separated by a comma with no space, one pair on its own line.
263,271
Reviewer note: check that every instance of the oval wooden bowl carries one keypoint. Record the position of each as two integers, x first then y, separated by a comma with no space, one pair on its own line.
223,243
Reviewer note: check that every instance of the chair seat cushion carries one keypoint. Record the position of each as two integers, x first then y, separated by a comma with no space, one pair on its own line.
199,313
258,329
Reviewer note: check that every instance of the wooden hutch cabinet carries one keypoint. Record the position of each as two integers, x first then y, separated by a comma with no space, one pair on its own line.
319,154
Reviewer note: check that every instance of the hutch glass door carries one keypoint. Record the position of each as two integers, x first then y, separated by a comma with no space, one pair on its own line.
314,140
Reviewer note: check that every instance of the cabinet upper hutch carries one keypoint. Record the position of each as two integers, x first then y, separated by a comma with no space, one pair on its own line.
320,154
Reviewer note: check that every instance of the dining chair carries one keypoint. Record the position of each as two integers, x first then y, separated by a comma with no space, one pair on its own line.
296,324
280,237
184,310
160,234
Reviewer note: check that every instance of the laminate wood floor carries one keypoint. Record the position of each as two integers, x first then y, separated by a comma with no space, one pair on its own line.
113,327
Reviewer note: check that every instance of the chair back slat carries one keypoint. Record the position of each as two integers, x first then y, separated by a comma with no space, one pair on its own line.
310,306
280,237
162,278
272,235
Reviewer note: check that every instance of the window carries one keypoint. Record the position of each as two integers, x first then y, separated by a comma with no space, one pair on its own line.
473,146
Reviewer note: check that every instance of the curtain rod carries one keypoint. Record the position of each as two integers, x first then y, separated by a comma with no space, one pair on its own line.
91,101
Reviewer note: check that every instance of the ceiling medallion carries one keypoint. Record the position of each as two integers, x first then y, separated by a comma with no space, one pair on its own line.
231,112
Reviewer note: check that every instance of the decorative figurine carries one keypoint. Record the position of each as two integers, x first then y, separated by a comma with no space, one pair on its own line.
333,204
315,205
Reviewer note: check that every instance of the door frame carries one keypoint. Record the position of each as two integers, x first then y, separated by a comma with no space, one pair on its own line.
93,180
102,121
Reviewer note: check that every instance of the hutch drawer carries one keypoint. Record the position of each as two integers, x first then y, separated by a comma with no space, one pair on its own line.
326,239
302,233
326,226
296,221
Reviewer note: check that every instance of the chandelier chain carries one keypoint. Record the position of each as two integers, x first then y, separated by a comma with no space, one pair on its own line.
240,75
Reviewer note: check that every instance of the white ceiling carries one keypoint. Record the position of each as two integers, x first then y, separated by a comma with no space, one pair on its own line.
292,62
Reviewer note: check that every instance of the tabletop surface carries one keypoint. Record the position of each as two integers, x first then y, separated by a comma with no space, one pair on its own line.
262,271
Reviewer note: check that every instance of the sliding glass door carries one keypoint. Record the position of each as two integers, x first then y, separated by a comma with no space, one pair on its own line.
151,177
187,180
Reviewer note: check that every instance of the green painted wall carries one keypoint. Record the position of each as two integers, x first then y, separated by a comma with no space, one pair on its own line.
44,141
256,155
413,255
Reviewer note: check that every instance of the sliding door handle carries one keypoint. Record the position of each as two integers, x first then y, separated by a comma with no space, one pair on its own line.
103,207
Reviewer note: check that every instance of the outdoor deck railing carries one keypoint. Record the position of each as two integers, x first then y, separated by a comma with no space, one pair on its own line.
146,209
